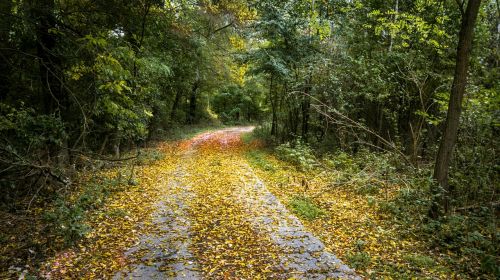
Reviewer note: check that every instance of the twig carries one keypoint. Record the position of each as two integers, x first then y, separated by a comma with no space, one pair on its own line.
95,156
36,193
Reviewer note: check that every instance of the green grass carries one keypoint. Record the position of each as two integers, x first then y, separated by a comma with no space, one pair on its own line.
190,131
358,260
248,137
148,156
258,159
420,261
305,207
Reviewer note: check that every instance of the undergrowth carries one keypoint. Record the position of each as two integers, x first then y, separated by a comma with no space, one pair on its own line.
298,153
305,207
258,159
463,244
67,217
53,221
177,132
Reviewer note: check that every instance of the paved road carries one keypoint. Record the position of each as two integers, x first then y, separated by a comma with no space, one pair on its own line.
182,248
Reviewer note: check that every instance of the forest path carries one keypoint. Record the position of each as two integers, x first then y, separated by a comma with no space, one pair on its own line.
217,220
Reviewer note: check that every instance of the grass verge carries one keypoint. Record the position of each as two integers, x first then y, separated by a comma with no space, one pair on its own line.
361,214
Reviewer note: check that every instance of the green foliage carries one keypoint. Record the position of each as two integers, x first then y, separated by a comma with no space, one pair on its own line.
420,261
262,132
236,104
345,79
358,260
305,207
342,160
248,138
298,153
258,158
466,236
67,217
469,233
411,28
29,128
369,172
149,156
67,221
106,81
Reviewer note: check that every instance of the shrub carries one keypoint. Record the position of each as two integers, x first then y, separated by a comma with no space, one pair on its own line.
298,153
67,216
149,156
263,132
305,207
359,260
420,261
67,221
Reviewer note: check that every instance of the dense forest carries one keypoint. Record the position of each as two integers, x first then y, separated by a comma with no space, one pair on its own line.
410,89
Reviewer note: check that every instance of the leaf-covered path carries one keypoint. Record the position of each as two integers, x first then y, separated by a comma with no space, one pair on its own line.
211,217
218,220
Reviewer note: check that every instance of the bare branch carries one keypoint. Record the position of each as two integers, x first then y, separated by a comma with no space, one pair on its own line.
223,27
353,124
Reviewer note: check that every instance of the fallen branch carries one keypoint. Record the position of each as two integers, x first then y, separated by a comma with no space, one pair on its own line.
472,207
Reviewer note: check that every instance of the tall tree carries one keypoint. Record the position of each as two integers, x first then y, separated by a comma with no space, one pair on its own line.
5,26
449,137
43,13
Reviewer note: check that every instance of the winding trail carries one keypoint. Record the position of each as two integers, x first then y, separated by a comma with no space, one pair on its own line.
217,220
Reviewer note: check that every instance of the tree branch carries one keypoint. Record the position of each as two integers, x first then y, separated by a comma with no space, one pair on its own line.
223,27
461,4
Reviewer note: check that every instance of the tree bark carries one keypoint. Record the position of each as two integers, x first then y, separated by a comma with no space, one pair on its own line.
5,27
173,112
192,103
449,137
306,105
396,11
274,122
54,99
191,118
49,63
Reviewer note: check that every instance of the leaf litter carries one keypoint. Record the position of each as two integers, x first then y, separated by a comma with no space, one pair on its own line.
200,212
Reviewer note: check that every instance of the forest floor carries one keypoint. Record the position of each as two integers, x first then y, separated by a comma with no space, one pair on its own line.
200,212
219,206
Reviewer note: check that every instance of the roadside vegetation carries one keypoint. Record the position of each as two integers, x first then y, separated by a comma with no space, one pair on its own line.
93,220
377,122
372,211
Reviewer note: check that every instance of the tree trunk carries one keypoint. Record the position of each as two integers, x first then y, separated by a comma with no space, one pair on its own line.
54,99
191,118
177,100
306,105
454,107
136,38
49,63
5,68
396,11
192,103
274,122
